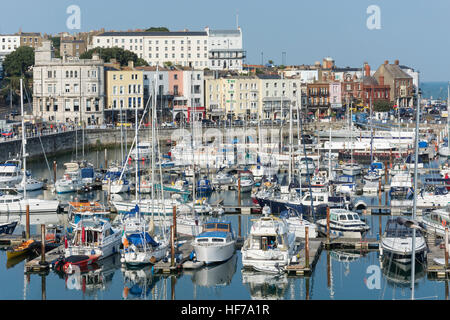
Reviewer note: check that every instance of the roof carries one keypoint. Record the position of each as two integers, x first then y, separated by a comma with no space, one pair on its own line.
152,34
225,32
268,76
396,71
72,41
371,81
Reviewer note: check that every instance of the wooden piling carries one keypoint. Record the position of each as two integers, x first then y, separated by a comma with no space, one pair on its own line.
379,226
390,158
379,192
385,172
28,221
172,286
54,171
106,159
446,248
172,247
174,216
307,287
239,191
306,247
239,226
328,225
42,244
43,287
328,269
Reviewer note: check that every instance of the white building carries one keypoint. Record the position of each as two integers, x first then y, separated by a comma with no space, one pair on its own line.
8,44
305,75
68,90
225,49
193,49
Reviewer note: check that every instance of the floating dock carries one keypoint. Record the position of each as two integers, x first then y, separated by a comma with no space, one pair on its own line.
436,270
301,268
35,266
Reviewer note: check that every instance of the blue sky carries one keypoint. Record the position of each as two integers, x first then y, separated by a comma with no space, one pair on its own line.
414,31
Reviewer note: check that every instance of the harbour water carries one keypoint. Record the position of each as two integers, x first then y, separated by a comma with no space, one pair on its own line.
337,274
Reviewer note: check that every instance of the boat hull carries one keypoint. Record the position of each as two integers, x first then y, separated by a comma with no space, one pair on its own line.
214,253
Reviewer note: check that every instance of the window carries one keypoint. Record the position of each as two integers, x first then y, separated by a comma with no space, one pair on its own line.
49,88
49,74
76,88
114,90
67,105
175,76
94,88
88,105
67,88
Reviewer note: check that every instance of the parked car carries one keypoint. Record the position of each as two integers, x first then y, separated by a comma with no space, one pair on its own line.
266,122
208,123
168,125
238,123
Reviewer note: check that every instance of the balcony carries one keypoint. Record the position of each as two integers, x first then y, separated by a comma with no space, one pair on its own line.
219,54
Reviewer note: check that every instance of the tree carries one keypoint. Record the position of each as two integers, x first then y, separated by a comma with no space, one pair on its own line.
122,56
157,29
18,62
382,106
168,64
56,41
270,61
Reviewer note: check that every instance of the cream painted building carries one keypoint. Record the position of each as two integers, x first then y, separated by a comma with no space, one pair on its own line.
214,49
67,90
124,91
251,97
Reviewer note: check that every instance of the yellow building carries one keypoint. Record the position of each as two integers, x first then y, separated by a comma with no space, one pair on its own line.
235,98
124,91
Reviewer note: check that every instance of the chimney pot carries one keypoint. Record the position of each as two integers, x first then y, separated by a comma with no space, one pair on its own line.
386,61
397,62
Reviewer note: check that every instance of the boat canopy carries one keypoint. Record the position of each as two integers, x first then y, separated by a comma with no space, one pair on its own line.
216,234
138,239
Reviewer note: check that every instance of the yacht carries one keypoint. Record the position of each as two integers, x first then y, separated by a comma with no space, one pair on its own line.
216,243
297,224
94,237
140,248
79,210
156,208
15,203
436,221
29,184
396,242
143,150
352,169
246,181
270,246
10,173
70,182
222,178
343,223
436,196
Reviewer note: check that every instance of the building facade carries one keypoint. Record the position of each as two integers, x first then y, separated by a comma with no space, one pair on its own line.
68,90
72,47
31,39
192,49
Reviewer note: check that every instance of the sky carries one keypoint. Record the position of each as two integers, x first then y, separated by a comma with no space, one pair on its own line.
416,32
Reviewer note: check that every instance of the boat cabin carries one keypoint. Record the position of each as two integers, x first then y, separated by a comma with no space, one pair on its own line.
215,232
341,215
394,229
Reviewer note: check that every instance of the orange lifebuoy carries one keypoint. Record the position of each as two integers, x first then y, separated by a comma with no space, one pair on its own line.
444,223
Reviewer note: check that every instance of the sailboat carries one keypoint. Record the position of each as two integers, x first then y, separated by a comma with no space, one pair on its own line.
16,203
444,149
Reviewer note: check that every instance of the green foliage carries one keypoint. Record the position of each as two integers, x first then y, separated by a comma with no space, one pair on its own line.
18,62
168,64
382,106
122,56
56,41
270,61
157,29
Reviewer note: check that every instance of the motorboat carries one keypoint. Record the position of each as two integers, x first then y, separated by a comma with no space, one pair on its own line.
203,187
352,169
216,243
94,237
30,184
70,182
10,173
11,203
119,186
396,242
372,175
155,208
345,184
79,210
436,221
8,227
223,178
297,224
343,223
264,286
400,184
433,197
245,181
215,275
270,246
143,151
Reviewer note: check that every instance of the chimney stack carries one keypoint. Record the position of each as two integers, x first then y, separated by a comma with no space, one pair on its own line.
131,64
386,61
366,69
396,62
381,80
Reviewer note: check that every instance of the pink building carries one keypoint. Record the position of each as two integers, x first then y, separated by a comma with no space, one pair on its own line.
335,95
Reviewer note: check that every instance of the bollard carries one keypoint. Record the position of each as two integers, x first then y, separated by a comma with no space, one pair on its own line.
306,247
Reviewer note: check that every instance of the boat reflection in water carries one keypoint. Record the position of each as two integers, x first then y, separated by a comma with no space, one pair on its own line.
139,283
346,256
213,275
98,277
399,274
265,286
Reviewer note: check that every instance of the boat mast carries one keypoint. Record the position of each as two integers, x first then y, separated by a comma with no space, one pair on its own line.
371,132
290,144
448,117
153,143
299,138
416,160
24,142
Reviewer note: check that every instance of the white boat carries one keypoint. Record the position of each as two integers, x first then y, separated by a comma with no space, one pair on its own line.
370,187
343,223
15,203
94,237
372,175
396,242
436,221
351,169
263,286
119,186
401,182
188,224
270,246
10,173
215,244
143,150
223,178
140,248
439,197
444,151
306,165
156,208
29,184
246,181
297,224
70,182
